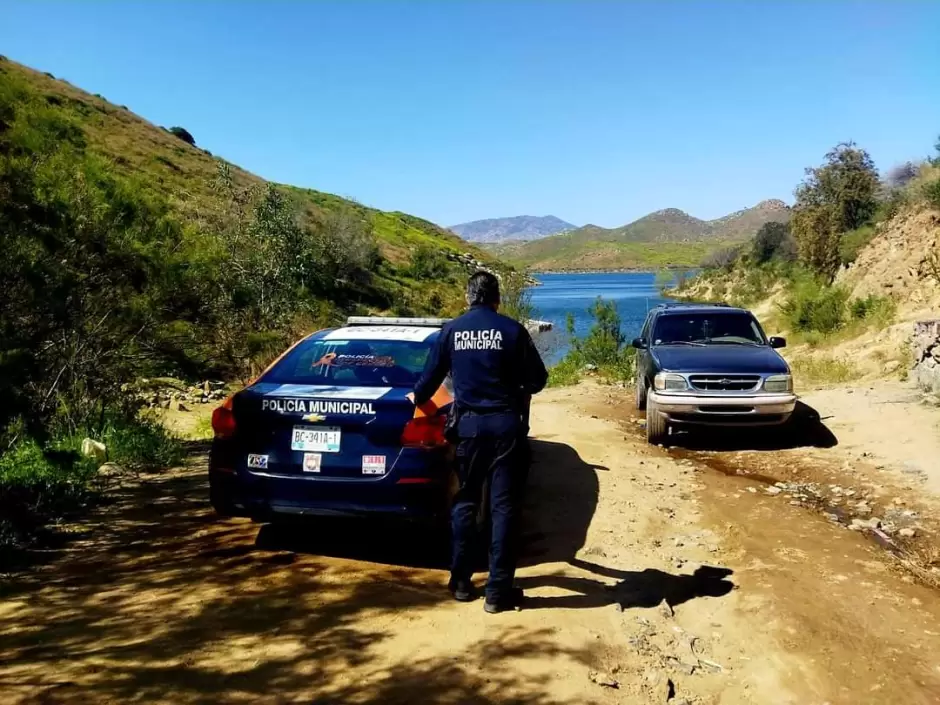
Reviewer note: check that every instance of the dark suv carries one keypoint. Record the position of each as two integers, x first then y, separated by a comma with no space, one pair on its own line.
709,364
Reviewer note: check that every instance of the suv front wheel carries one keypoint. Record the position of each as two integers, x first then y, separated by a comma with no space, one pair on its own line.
657,428
640,393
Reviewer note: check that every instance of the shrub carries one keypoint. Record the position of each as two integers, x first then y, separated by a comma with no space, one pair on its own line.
874,308
602,348
516,297
853,241
183,134
428,263
38,487
723,258
813,306
773,242
931,193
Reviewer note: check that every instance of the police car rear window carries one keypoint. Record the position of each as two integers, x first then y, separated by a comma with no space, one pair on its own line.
360,363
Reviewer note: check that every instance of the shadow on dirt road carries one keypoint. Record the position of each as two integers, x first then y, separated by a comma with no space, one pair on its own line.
167,603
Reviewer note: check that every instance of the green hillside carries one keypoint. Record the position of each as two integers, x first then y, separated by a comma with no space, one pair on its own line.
131,252
668,237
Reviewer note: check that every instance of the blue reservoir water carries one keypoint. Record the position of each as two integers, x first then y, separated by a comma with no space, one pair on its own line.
559,294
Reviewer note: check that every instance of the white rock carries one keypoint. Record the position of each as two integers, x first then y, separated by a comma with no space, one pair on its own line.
94,449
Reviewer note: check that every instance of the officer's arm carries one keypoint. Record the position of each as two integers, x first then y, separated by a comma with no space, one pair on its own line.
534,374
436,368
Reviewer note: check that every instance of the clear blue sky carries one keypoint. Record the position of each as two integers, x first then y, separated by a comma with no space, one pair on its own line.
592,111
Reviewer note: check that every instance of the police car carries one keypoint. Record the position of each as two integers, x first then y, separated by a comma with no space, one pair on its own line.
330,429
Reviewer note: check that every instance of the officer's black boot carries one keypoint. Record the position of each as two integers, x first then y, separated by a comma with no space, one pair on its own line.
462,590
512,601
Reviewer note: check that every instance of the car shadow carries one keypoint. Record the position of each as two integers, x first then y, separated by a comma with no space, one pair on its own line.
804,429
360,539
560,500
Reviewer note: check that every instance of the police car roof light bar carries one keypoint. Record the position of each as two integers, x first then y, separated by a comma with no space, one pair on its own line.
390,321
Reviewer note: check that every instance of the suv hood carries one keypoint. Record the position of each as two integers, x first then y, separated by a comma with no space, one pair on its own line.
724,359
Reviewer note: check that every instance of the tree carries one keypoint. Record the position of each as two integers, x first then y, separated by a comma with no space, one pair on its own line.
773,242
839,196
183,134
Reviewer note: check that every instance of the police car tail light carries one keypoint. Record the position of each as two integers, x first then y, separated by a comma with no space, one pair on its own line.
424,432
223,420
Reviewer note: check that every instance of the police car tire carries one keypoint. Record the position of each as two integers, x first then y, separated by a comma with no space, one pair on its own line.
657,429
641,390
222,504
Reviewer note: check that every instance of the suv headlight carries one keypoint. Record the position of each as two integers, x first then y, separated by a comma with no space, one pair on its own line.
665,382
778,384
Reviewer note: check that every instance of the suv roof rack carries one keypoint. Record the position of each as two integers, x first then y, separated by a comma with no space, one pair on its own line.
391,321
692,304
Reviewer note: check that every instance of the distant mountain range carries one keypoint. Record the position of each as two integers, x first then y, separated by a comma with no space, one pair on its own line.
521,228
666,237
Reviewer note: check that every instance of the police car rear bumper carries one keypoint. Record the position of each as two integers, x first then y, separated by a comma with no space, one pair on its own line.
266,498
761,409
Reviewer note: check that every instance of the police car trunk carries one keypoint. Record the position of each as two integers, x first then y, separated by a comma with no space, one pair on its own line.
330,428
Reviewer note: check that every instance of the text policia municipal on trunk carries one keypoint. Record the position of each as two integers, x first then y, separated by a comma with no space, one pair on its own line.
316,406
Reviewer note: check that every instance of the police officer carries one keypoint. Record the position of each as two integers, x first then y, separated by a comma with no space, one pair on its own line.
495,368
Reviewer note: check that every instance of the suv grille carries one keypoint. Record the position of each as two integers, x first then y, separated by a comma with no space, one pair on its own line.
724,383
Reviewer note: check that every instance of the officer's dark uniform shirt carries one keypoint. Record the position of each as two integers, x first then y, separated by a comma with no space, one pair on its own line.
492,361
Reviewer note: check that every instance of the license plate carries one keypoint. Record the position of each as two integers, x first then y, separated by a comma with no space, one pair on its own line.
321,439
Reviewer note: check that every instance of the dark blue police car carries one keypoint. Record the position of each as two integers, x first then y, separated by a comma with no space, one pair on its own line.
329,429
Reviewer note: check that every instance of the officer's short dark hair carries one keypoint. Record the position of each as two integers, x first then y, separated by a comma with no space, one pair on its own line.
483,289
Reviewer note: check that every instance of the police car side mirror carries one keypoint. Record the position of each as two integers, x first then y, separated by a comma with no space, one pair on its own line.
640,343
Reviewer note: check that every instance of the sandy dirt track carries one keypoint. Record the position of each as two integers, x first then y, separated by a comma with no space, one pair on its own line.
651,577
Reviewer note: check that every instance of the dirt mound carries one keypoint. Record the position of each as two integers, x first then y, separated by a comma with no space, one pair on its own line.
897,262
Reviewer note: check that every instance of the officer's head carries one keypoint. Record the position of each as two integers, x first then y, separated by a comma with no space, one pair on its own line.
483,290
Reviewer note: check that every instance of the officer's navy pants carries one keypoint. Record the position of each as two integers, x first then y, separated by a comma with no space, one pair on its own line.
490,446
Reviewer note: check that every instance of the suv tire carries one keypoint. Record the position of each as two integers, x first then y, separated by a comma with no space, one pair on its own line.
657,429
641,390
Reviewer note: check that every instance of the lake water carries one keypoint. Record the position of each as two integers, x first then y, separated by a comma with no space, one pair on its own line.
558,294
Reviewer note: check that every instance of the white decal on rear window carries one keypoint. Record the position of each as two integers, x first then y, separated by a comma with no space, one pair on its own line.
410,333
326,391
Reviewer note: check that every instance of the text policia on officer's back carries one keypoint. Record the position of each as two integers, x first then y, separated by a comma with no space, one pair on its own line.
478,340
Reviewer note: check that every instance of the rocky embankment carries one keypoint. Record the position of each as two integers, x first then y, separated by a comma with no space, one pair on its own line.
170,393
925,346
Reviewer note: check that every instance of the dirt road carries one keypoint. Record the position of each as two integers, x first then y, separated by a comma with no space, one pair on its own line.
652,578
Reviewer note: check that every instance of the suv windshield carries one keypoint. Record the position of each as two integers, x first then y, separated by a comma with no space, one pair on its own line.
359,363
702,328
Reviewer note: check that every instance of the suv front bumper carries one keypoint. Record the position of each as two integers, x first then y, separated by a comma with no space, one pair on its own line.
724,410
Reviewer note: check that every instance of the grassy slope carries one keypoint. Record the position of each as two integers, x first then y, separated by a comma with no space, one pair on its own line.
185,175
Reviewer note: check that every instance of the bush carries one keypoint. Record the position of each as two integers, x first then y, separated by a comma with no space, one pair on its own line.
38,487
773,242
602,348
813,306
183,134
877,309
428,263
516,297
931,193
853,241
724,258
